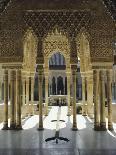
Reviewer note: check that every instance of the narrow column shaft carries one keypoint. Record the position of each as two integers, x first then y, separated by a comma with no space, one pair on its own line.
0,91
68,93
23,83
56,86
27,90
74,100
18,78
102,101
83,96
109,99
12,100
90,96
32,95
46,94
5,127
96,102
40,79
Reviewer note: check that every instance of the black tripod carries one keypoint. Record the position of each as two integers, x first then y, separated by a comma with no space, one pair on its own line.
57,137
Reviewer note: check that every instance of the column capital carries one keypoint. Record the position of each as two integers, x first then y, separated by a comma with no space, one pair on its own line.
109,75
102,75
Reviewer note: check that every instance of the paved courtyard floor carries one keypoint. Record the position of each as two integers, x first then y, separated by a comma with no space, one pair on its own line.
85,141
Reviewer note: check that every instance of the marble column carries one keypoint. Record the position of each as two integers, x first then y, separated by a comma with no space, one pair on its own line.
109,98
27,90
23,83
102,101
40,82
68,93
18,80
12,99
46,94
74,127
64,85
90,96
0,91
27,96
83,96
115,91
96,97
32,95
56,81
5,126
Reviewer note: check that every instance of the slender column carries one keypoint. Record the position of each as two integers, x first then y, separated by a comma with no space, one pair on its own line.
56,81
46,94
74,127
109,98
23,83
68,93
102,101
64,85
12,100
32,95
90,96
115,91
27,96
27,90
0,91
5,127
40,80
18,121
83,96
96,102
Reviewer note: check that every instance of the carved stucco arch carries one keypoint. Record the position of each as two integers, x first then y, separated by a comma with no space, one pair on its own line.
83,45
56,42
29,51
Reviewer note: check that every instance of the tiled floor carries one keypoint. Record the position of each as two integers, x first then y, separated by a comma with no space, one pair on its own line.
85,141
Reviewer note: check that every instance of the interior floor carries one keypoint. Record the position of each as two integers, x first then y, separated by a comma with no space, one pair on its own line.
85,141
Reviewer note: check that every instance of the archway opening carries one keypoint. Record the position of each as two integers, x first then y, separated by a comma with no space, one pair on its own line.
57,76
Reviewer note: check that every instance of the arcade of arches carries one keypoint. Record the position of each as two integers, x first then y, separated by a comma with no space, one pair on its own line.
50,54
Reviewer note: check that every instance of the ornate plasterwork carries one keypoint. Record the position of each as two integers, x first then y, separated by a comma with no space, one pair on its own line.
56,42
30,51
82,40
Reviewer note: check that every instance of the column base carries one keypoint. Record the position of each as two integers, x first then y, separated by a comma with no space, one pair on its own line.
12,127
40,129
68,114
18,127
91,116
103,126
110,127
96,127
5,127
74,129
84,114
